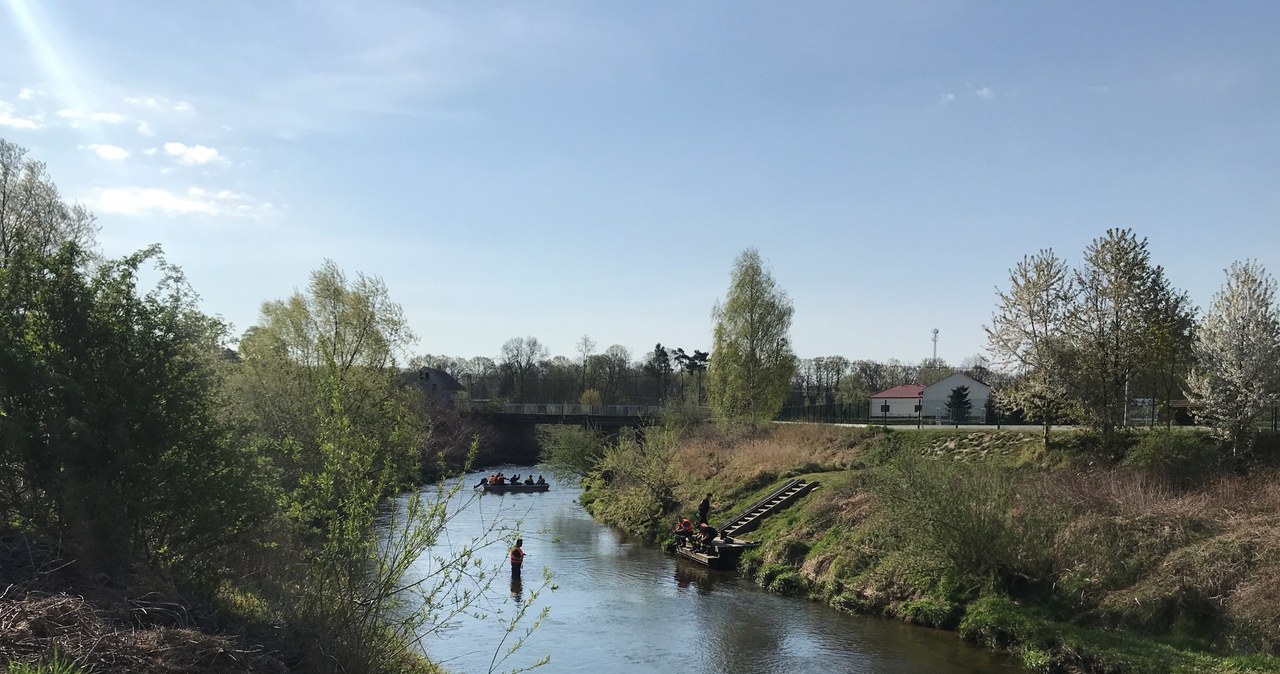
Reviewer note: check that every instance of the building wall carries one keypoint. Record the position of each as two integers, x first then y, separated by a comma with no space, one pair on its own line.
935,397
898,407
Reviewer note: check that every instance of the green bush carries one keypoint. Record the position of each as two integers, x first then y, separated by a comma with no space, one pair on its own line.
1179,457
929,611
968,516
790,583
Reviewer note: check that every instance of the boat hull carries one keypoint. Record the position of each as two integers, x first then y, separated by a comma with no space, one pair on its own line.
513,488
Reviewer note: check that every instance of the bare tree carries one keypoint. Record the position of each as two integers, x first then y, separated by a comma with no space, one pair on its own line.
522,358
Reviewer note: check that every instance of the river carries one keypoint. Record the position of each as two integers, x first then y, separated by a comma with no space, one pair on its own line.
621,607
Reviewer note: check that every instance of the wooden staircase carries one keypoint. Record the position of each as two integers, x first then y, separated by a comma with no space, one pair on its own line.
780,498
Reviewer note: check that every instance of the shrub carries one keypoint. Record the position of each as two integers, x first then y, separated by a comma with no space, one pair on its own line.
1179,458
789,583
968,516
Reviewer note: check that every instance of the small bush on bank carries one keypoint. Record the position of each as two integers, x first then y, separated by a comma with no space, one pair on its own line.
969,517
789,583
1180,458
929,612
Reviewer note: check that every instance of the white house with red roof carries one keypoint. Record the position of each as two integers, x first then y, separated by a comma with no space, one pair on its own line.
899,401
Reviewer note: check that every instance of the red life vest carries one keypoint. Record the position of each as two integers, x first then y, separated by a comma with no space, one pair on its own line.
517,556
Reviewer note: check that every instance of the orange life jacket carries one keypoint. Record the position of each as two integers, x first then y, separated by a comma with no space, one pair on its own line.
517,556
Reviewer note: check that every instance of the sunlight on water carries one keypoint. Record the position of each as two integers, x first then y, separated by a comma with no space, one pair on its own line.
625,607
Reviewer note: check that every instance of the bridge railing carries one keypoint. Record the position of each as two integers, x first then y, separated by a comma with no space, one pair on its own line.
568,409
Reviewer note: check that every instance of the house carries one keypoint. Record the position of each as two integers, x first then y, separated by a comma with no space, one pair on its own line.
935,397
899,401
438,386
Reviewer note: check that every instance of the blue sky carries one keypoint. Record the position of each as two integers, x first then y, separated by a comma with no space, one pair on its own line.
561,169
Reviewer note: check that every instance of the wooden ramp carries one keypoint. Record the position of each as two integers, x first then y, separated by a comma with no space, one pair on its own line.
780,498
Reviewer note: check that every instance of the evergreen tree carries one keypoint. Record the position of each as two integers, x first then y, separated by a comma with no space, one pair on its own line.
659,368
958,404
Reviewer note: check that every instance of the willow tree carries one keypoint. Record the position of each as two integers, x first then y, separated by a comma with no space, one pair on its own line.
1237,350
751,359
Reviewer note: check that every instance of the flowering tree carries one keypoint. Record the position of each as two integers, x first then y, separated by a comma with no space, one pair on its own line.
1238,355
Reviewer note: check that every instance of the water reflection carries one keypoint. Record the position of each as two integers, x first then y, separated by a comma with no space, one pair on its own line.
691,574
517,588
625,607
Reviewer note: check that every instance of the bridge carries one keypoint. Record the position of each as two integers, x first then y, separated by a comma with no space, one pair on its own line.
565,413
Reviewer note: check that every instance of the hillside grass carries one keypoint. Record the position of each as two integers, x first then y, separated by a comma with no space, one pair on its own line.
1160,559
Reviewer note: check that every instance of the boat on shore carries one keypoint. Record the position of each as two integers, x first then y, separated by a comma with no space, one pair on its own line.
512,488
719,554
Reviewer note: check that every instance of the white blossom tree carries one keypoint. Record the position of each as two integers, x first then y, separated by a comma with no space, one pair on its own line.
1025,335
1238,355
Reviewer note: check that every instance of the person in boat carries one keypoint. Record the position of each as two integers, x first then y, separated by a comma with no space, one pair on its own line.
517,557
483,481
528,479
515,479
706,534
540,480
683,530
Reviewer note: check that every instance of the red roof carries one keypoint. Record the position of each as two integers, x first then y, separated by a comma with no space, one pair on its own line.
904,391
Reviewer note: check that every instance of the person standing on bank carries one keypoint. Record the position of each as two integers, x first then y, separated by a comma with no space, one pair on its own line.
704,509
517,557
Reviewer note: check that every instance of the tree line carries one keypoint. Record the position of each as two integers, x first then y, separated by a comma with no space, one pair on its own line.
149,454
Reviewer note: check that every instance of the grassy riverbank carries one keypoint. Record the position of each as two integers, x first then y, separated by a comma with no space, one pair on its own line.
1159,561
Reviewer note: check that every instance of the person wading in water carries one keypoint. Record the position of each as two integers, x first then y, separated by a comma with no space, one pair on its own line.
517,557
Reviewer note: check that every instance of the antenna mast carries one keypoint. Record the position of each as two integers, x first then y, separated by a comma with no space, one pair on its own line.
935,345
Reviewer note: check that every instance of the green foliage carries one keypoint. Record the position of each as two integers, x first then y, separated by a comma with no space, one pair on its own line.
958,404
56,665
752,362
1181,458
963,515
683,418
640,479
570,451
108,418
929,612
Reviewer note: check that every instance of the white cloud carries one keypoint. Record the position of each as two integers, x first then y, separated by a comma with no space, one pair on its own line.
70,113
144,128
985,92
109,152
28,93
149,151
160,103
196,200
9,118
140,200
193,154
108,117
946,98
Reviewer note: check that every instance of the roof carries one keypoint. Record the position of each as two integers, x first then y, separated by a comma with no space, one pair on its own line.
424,376
904,391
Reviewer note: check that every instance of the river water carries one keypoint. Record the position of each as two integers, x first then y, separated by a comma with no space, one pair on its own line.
621,606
